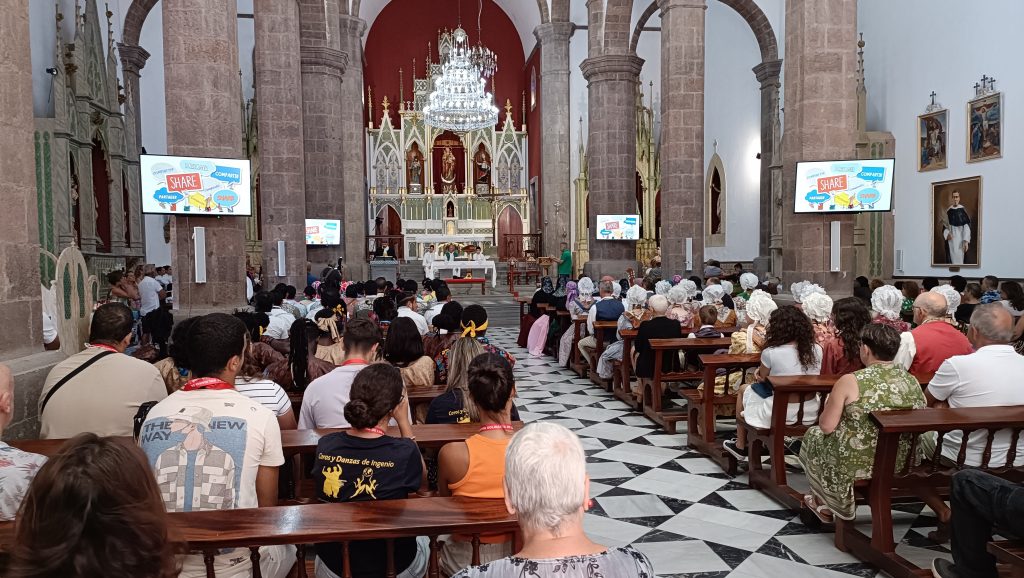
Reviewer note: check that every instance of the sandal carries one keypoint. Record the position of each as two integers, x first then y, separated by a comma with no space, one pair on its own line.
823,512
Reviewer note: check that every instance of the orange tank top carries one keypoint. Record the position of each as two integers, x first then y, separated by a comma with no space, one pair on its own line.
484,476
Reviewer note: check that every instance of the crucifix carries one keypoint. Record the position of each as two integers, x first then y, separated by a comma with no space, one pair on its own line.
977,89
991,84
933,95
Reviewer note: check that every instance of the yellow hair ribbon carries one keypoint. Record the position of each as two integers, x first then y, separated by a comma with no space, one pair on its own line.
472,328
339,309
261,331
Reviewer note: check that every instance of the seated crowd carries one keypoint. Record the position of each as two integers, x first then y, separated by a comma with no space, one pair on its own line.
208,418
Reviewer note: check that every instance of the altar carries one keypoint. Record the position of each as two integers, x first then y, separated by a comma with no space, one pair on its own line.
461,266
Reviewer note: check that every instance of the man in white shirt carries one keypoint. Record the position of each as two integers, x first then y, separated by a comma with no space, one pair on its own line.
151,292
165,278
323,402
213,448
280,319
991,376
443,296
407,308
587,344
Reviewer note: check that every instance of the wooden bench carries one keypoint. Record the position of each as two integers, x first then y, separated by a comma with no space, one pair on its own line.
793,389
654,392
209,531
474,281
601,329
1011,553
890,478
622,382
579,330
524,305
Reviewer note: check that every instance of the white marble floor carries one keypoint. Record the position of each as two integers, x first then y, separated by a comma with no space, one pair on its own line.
678,507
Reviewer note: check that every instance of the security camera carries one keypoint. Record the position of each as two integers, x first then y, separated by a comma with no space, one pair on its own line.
51,71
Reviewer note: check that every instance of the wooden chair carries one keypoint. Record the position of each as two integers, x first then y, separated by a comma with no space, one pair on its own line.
531,267
654,391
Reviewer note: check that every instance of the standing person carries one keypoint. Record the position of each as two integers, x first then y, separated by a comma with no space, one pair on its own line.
396,470
428,262
990,286
551,514
475,468
224,449
956,229
99,389
17,468
324,401
310,277
564,263
151,296
94,510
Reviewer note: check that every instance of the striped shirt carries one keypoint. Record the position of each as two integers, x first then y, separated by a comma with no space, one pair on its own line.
265,392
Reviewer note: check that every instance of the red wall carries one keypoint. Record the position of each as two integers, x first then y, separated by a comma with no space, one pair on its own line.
533,130
404,27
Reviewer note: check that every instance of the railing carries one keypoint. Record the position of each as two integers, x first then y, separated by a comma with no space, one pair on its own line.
519,246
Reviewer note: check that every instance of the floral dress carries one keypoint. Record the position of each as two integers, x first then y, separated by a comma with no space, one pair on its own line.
833,462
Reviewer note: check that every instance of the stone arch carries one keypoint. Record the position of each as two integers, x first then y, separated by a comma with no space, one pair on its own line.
134,20
748,9
617,15
559,10
545,16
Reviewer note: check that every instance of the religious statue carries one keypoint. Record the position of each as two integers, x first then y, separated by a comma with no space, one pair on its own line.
415,174
483,171
448,166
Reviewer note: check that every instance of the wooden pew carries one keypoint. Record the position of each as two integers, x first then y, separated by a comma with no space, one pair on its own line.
347,523
602,331
622,382
890,478
1011,553
524,305
795,389
654,393
579,329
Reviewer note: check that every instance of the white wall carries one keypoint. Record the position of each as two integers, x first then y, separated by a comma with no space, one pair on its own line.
946,46
732,107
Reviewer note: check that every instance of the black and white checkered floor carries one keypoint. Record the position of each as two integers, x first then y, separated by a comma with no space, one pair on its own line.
678,507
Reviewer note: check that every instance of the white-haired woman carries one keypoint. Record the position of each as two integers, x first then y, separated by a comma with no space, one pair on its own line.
750,339
886,302
579,298
680,307
547,488
636,313
714,295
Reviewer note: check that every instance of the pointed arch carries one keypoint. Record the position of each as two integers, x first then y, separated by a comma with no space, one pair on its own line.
747,9
715,203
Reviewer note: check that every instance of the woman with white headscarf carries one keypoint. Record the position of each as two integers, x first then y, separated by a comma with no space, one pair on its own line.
713,295
952,303
886,302
748,282
680,307
818,308
662,287
635,314
748,340
579,298
797,291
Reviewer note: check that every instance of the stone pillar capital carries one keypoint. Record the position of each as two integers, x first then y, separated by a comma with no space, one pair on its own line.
554,33
666,5
133,58
612,67
767,73
314,56
352,25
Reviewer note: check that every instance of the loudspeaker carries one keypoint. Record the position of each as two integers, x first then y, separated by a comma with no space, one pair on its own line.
281,268
688,251
836,247
898,265
199,246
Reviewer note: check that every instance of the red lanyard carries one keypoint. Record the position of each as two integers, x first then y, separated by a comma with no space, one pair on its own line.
206,383
354,361
106,347
375,430
498,426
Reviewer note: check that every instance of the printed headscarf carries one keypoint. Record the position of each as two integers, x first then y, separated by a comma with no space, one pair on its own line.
571,292
586,287
760,307
623,288
547,286
797,290
713,294
560,289
676,279
887,302
636,297
818,307
952,297
662,287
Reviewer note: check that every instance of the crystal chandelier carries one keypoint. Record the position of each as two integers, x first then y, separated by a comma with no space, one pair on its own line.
460,101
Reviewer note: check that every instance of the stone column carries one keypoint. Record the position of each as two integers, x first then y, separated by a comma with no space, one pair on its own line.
767,74
554,138
682,133
279,106
611,154
353,134
322,65
133,59
203,90
21,307
821,124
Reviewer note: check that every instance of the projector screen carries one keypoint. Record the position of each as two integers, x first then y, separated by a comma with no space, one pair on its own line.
323,232
195,186
844,186
618,227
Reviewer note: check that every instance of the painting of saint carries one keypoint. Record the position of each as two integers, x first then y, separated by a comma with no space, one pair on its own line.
956,223
985,128
931,131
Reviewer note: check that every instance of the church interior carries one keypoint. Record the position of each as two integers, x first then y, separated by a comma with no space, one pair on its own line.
766,172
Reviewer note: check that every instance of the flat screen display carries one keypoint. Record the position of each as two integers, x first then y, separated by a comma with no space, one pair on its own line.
323,232
844,186
195,186
618,227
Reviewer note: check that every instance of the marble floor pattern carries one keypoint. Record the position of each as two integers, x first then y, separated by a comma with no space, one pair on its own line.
678,507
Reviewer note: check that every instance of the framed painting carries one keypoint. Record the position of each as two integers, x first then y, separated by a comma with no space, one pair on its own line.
985,128
956,223
931,140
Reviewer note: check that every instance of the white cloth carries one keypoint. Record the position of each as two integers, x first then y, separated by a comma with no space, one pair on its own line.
1006,304
49,329
419,320
592,315
991,376
957,235
432,311
280,322
149,294
781,361
248,289
206,446
428,264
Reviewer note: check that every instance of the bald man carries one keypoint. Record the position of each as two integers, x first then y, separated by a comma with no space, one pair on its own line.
17,468
934,340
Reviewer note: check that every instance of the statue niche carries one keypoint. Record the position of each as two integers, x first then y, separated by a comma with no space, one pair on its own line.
449,162
482,171
414,160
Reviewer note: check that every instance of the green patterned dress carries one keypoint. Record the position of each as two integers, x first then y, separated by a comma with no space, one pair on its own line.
833,462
